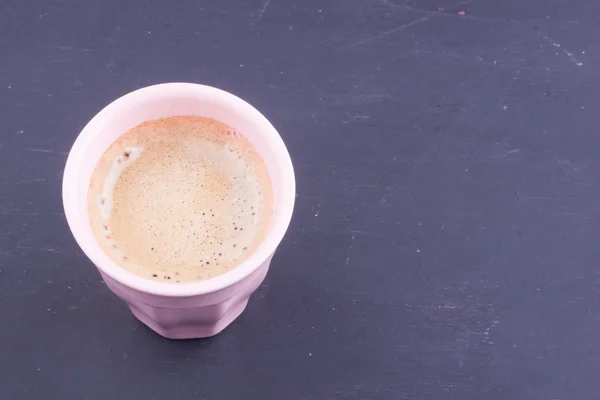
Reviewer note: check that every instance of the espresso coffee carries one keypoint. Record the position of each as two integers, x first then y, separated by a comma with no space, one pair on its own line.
180,199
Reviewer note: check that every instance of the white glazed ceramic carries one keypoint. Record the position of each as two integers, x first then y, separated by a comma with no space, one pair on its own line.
183,310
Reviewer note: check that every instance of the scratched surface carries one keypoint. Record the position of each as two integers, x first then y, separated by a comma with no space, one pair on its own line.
445,239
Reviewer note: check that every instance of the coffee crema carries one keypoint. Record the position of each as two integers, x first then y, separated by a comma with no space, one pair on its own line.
180,199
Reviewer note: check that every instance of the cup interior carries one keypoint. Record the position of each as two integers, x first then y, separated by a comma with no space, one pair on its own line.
165,100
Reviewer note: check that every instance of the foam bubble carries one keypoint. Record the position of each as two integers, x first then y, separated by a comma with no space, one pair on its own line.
183,197
121,161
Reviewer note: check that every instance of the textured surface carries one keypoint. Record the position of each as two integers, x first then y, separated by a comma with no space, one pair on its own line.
444,244
180,199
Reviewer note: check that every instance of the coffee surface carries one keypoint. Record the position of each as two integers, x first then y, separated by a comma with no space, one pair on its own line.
180,199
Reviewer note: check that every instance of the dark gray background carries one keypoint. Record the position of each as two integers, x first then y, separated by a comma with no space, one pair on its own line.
445,238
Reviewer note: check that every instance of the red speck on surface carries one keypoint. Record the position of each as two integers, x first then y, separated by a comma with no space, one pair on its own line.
440,9
461,13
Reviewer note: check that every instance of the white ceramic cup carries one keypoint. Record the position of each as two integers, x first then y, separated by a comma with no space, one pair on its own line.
180,310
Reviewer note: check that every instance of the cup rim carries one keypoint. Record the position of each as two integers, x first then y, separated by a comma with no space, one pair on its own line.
83,233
